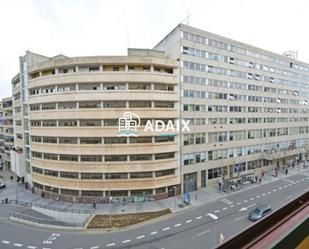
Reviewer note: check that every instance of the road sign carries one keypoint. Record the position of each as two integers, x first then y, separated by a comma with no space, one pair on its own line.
186,198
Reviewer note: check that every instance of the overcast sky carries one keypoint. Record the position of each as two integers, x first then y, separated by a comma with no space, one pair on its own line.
98,27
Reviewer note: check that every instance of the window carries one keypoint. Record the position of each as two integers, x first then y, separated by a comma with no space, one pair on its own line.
51,106
49,123
139,86
162,139
114,86
90,140
140,104
141,157
141,175
111,122
88,105
164,155
163,104
37,170
69,192
114,104
91,175
91,193
36,139
163,87
214,173
115,158
50,172
36,154
67,122
68,157
116,176
49,156
165,172
89,87
115,140
90,123
67,105
68,140
52,140
35,107
88,158
140,140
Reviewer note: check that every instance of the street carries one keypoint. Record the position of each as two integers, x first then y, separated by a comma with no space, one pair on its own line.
198,227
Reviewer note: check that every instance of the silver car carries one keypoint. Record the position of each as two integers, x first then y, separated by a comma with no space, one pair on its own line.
259,212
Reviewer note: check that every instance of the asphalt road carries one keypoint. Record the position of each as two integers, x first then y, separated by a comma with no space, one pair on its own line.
193,228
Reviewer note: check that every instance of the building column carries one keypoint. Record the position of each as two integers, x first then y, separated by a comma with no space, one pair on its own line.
199,179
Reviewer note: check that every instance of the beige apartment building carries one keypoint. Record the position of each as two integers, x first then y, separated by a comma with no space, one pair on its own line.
247,110
67,129
6,129
248,107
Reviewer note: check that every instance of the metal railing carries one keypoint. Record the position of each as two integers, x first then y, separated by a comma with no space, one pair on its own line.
49,222
63,209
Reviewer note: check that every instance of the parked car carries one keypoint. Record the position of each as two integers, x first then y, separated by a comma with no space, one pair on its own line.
259,212
2,185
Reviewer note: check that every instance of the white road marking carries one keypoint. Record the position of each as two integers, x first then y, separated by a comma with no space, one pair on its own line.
285,186
264,194
244,201
290,184
232,206
199,234
239,218
238,203
217,211
225,208
18,245
177,225
94,247
5,242
274,190
110,244
153,233
165,229
258,196
212,216
199,217
252,198
126,241
31,247
245,208
188,221
297,181
140,237
280,188
269,192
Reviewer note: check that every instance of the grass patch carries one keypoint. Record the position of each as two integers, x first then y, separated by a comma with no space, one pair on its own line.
101,221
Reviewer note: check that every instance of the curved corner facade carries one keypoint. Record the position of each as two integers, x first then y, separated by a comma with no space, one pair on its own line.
74,110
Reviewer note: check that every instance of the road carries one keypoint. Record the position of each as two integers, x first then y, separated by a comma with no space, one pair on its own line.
194,228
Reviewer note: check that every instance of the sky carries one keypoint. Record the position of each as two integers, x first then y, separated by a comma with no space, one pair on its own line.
100,27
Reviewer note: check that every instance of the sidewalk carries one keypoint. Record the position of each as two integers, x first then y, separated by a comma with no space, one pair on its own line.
200,197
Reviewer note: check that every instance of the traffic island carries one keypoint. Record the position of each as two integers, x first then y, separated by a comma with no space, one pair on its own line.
100,221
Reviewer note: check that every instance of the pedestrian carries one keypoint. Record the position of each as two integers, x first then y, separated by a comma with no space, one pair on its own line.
12,178
42,194
286,171
256,179
263,174
260,180
94,205
220,186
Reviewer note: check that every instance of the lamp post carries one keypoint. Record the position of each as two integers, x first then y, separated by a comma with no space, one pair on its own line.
174,187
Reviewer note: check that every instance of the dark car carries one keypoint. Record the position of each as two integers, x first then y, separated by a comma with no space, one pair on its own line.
2,185
259,212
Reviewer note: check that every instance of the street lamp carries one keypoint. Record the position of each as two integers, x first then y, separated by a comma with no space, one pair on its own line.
174,187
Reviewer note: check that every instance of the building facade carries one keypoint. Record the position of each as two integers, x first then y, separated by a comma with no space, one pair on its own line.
246,107
7,141
68,122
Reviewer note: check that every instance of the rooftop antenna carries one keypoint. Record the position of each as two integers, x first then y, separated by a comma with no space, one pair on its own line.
187,19
128,38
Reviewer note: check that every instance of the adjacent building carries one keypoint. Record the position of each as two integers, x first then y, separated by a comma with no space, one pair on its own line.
246,107
7,131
